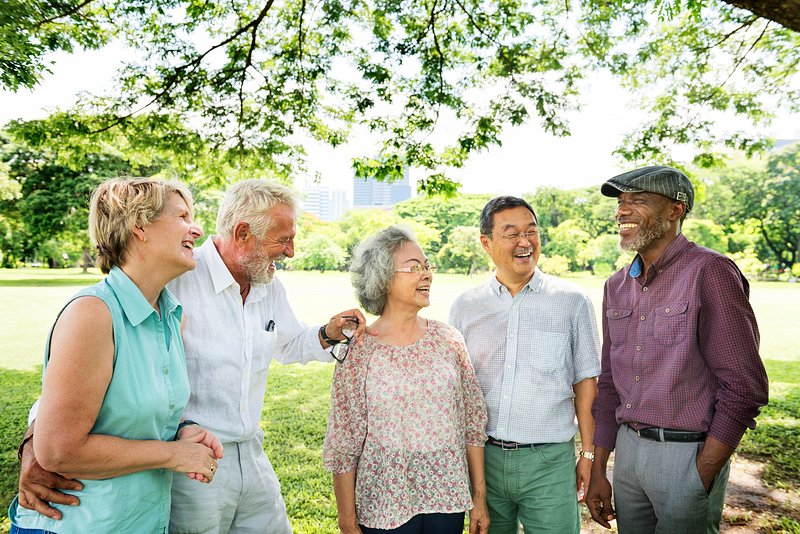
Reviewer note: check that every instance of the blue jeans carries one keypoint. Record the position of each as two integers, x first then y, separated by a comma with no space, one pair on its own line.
17,530
425,524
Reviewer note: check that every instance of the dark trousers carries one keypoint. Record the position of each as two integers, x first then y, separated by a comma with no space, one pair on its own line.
425,524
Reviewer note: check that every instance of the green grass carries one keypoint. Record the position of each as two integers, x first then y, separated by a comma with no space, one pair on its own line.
296,407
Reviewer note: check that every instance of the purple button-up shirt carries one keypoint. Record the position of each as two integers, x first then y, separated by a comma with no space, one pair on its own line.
680,348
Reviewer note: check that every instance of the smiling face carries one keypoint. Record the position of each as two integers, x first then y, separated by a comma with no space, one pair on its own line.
410,289
644,222
258,263
173,234
514,254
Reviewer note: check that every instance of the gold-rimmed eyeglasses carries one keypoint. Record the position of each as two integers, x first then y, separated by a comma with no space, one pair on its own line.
417,269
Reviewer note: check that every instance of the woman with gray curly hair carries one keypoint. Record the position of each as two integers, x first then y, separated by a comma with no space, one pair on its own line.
407,422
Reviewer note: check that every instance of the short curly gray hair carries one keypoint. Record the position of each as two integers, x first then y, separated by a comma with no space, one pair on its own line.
372,267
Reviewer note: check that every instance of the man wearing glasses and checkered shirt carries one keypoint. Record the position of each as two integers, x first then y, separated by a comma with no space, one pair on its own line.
533,341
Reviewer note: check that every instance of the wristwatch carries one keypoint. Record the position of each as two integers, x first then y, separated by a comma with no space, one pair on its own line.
324,335
588,455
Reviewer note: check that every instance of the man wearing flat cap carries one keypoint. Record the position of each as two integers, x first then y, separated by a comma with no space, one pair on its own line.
681,376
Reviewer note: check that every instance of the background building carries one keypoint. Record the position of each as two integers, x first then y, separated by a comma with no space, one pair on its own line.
371,193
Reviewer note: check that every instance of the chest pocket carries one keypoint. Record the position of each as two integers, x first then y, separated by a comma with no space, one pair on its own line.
264,347
618,321
670,322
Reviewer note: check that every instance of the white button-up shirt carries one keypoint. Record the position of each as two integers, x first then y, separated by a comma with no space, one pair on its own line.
229,345
528,351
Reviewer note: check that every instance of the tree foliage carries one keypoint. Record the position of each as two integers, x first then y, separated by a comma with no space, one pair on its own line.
260,77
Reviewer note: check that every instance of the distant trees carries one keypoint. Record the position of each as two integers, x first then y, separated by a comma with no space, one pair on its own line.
749,210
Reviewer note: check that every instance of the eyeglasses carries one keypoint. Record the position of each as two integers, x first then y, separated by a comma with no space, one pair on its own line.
341,349
417,269
514,237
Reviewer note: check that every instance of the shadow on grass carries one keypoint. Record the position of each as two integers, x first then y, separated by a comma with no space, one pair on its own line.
776,438
18,390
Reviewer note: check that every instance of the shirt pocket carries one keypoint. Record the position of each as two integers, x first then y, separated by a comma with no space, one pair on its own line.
669,323
264,349
549,351
618,321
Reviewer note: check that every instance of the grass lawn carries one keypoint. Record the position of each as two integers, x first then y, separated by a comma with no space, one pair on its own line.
297,396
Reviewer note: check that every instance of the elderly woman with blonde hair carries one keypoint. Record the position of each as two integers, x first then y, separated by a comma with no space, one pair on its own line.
407,422
115,382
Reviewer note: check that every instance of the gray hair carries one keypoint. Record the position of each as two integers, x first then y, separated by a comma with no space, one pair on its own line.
249,201
372,267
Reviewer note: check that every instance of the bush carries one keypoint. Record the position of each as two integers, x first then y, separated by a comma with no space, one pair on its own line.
555,265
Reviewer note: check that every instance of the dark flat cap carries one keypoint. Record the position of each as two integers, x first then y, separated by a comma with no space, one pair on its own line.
665,181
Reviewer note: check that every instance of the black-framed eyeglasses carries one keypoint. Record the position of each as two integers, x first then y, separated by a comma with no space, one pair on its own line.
340,350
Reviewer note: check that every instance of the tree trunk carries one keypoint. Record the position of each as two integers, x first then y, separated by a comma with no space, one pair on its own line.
784,12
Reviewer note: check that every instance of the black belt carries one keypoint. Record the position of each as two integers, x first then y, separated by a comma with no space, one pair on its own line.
654,433
508,445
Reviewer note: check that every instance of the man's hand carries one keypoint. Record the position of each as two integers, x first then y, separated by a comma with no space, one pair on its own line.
711,459
39,488
349,323
598,496
583,473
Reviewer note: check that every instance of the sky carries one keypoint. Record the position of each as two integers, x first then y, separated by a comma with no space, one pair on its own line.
528,158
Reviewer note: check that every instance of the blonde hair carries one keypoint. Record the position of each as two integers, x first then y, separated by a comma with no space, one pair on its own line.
120,205
249,201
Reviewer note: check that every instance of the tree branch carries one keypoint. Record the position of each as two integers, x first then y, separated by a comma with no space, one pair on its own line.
69,12
743,56
475,23
178,72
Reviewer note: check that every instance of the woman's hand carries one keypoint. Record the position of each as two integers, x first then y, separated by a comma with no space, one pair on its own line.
479,517
193,457
207,438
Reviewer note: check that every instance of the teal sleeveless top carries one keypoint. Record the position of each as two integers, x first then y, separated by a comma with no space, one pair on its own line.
144,401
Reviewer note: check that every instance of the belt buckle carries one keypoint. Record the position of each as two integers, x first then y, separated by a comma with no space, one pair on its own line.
509,445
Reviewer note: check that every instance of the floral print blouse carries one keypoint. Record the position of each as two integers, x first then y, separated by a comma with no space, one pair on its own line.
401,417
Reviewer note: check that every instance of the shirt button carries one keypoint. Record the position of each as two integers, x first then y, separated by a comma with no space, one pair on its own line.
641,318
508,367
644,288
637,378
172,404
638,348
667,310
616,314
660,271
628,406
166,370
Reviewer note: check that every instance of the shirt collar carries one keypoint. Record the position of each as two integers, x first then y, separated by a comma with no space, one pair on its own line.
670,254
534,284
135,307
221,277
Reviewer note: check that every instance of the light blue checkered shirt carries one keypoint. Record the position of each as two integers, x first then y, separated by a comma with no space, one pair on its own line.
528,351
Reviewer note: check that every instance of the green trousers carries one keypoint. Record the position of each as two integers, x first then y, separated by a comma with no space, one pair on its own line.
535,486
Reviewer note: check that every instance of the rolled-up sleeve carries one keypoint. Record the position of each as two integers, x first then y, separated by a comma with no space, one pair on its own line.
347,422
